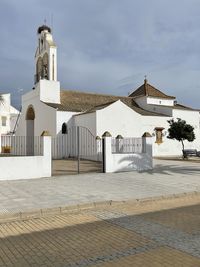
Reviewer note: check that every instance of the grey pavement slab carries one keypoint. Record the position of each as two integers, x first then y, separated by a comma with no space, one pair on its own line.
163,235
167,177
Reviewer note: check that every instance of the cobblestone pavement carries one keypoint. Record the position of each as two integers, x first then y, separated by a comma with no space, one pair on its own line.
168,177
123,235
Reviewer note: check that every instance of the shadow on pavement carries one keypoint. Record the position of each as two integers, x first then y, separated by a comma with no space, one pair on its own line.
171,169
101,237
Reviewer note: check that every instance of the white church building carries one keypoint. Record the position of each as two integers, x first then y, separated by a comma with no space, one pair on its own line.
147,109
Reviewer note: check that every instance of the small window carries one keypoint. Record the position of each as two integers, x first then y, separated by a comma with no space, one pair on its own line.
3,121
64,128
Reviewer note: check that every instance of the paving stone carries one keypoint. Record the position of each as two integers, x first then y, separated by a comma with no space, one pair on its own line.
168,177
100,238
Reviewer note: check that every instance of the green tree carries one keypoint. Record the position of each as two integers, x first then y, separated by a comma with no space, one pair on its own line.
180,131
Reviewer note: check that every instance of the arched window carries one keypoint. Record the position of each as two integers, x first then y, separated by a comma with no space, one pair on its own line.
64,128
30,113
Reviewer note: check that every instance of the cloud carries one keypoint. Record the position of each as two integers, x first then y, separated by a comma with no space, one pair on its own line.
106,46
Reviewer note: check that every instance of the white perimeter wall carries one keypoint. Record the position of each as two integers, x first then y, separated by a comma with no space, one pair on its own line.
15,168
119,162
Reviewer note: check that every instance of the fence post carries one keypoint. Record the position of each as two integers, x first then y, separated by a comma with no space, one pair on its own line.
46,149
107,152
147,147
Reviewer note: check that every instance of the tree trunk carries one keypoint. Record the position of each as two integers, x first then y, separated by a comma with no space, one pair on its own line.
184,155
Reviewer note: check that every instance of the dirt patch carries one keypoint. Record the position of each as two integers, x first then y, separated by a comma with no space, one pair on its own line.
70,166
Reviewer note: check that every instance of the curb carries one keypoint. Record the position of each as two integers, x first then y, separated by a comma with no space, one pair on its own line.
40,213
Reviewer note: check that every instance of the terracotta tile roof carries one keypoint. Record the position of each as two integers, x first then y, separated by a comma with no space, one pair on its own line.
149,90
76,101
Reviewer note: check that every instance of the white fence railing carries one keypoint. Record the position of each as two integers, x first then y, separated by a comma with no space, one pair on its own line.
78,142
21,145
127,145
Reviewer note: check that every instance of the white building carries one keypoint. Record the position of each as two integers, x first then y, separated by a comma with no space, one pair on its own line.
8,115
147,109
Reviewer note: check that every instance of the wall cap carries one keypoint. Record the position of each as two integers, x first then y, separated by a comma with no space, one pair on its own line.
106,134
147,134
119,136
45,133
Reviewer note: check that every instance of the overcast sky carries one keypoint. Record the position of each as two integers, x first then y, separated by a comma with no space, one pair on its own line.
105,46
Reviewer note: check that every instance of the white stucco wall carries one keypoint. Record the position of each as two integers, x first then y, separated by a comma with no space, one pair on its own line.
48,91
14,168
158,105
119,162
64,117
45,116
120,119
160,101
88,121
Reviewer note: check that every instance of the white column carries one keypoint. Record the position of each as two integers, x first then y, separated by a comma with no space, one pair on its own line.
47,157
0,143
108,159
147,148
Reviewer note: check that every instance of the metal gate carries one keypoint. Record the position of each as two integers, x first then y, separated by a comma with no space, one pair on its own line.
78,143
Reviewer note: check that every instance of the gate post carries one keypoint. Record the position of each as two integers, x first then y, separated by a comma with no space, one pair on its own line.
78,149
147,147
46,152
106,151
0,143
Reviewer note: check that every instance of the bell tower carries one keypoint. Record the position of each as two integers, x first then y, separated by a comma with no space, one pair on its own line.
46,67
45,56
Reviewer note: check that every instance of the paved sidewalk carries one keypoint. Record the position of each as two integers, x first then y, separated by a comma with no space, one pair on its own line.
168,177
120,236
